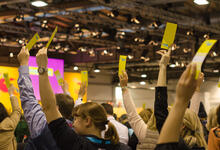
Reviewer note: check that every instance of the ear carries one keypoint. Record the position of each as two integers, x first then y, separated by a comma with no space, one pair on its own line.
88,122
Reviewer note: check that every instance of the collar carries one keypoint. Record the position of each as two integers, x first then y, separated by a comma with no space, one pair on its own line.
97,140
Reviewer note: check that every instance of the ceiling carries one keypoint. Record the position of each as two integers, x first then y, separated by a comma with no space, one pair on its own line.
94,33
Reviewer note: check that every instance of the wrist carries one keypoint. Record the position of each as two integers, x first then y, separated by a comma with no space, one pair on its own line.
124,88
164,66
24,64
181,101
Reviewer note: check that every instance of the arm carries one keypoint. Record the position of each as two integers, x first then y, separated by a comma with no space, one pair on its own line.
197,96
160,104
46,93
82,92
65,88
184,91
16,111
32,110
136,122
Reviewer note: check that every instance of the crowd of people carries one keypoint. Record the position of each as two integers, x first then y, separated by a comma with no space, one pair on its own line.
62,124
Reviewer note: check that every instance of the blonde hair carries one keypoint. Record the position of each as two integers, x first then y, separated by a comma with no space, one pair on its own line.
212,119
192,132
99,118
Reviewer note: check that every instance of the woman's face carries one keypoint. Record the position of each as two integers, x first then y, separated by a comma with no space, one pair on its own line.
80,125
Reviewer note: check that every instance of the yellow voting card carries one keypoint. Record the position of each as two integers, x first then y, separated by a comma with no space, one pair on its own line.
31,43
144,106
169,35
122,64
7,80
59,78
201,54
84,77
219,83
51,38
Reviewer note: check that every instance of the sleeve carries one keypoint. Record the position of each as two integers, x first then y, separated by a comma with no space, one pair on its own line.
16,113
136,122
160,106
33,113
195,102
65,136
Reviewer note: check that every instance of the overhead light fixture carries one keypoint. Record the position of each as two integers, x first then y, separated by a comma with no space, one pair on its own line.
143,76
97,70
214,54
201,2
216,71
142,83
11,55
172,65
130,57
152,88
39,3
75,68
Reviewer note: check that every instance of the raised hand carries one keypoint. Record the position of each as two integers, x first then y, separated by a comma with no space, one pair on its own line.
11,90
187,84
65,87
82,90
123,79
23,56
165,59
42,58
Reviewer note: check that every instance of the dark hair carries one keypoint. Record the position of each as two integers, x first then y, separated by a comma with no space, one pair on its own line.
108,108
3,112
65,104
218,114
99,118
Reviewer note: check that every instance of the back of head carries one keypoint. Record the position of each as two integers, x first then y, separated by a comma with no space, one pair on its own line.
3,112
98,116
218,115
108,108
65,104
192,132
146,114
212,119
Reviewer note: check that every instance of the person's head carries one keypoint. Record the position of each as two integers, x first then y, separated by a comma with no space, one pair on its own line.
91,117
192,131
218,115
108,108
212,119
65,105
146,114
3,112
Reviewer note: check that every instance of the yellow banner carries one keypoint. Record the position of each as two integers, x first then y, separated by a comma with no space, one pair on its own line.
144,106
51,38
219,83
201,54
59,78
169,35
122,64
31,43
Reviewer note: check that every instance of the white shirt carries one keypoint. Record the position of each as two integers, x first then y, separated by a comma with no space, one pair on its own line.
121,129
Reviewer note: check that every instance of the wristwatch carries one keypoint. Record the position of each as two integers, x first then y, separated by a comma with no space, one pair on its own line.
42,70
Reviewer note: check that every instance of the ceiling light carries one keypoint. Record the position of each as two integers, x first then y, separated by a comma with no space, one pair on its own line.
142,83
214,54
130,57
152,88
75,68
143,76
216,71
39,3
201,2
97,70
11,55
172,65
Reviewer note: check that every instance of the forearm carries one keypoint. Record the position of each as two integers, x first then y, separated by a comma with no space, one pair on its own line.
195,101
162,76
136,122
48,98
171,128
15,104
33,113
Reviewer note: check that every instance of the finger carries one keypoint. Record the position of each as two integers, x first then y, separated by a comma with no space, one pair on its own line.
193,71
186,72
169,51
160,53
201,75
